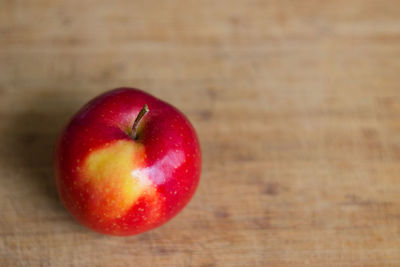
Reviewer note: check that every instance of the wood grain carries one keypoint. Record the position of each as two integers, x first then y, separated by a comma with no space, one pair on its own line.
296,103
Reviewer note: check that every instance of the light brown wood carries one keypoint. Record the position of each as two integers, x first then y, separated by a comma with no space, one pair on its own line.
297,105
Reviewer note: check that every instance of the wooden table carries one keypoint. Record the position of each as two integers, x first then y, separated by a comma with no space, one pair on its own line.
297,105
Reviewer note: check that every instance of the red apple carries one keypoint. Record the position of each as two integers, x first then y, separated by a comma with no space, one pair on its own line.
127,162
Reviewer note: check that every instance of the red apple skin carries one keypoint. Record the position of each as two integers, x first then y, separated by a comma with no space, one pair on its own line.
116,185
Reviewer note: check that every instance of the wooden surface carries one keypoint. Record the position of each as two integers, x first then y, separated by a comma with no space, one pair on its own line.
297,105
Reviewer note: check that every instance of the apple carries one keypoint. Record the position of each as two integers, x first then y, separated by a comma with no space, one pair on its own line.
126,163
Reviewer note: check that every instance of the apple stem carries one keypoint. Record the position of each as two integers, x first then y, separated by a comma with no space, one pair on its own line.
139,117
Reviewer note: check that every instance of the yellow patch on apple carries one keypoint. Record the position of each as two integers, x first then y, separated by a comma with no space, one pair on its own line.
110,173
